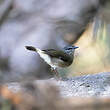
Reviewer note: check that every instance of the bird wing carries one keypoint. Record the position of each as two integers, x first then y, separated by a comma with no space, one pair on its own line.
58,54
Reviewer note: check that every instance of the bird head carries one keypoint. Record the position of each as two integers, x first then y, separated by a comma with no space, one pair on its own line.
70,49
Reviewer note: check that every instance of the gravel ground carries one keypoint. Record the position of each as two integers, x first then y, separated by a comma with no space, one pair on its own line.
86,85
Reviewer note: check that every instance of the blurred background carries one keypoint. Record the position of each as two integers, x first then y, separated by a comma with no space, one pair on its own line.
53,24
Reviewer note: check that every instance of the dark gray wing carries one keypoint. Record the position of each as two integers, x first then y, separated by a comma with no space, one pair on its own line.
58,54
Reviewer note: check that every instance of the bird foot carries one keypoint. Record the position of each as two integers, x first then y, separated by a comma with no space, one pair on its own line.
57,77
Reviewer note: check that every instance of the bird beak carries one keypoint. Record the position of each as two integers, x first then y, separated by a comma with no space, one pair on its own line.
75,47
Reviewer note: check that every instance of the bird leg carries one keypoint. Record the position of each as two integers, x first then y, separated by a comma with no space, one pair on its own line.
55,71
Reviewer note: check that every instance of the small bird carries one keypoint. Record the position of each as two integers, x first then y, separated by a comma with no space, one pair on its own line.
56,58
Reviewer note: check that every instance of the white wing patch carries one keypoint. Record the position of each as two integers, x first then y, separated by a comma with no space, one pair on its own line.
46,58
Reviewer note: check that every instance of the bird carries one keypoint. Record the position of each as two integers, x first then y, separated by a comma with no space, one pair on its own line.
56,58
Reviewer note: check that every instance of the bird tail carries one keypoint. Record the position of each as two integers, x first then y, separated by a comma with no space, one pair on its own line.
31,48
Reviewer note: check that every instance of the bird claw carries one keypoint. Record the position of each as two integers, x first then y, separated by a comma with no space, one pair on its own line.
56,74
